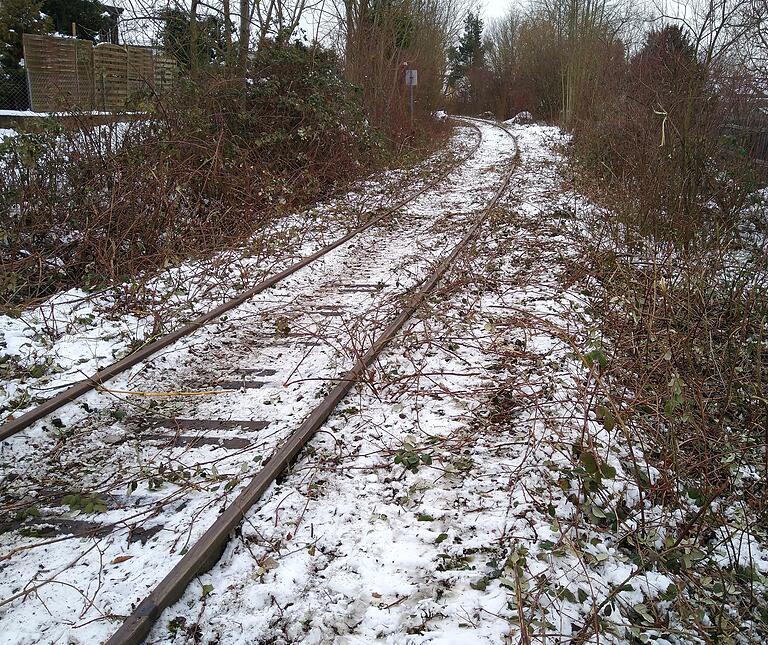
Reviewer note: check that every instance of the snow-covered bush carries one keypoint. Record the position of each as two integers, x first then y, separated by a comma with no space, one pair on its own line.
520,118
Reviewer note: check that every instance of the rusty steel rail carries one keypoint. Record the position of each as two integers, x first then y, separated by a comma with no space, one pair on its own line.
84,386
208,549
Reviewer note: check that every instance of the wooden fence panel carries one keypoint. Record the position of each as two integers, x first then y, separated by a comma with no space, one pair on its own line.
141,72
110,72
66,74
166,73
59,73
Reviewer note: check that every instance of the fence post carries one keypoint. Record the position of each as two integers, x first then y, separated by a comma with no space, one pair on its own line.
77,66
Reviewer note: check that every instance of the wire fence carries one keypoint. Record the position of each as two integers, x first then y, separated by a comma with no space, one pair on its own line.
748,126
14,94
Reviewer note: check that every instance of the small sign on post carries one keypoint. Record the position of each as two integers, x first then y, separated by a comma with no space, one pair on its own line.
411,80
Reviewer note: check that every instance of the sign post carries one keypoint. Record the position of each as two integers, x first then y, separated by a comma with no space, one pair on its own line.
411,80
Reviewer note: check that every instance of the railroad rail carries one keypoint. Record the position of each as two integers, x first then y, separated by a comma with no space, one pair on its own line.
98,379
206,550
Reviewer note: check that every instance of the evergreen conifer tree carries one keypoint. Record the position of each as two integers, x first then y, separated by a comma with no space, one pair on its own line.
470,52
17,17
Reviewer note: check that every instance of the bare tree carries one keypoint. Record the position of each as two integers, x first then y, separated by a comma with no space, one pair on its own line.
381,38
244,28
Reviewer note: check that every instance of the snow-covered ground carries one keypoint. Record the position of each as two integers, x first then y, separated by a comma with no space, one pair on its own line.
353,547
467,492
472,490
90,464
70,336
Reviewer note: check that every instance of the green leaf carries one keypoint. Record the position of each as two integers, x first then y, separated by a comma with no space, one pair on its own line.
207,590
568,595
608,471
595,356
423,517
697,554
670,593
480,585
582,595
589,462
36,371
642,609
441,538
607,416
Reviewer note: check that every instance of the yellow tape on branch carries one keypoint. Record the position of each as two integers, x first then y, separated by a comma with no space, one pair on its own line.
161,394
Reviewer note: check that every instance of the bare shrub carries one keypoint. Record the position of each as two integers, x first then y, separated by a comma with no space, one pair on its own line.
680,261
382,40
217,159
685,380
659,137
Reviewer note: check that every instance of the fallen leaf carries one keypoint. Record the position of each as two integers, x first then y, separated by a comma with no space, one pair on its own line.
121,558
269,564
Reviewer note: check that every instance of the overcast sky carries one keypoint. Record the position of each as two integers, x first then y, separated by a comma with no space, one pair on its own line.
496,8
137,31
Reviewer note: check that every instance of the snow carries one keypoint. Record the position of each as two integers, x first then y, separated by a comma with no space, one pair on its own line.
73,334
362,551
22,113
96,444
390,556
739,547
520,118
485,388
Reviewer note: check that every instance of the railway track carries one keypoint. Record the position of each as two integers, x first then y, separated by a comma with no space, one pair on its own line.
221,419
97,379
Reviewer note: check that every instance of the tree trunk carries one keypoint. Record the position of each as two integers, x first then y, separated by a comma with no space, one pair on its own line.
229,54
194,59
245,34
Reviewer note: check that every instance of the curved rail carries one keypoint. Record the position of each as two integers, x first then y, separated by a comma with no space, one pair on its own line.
207,550
89,383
